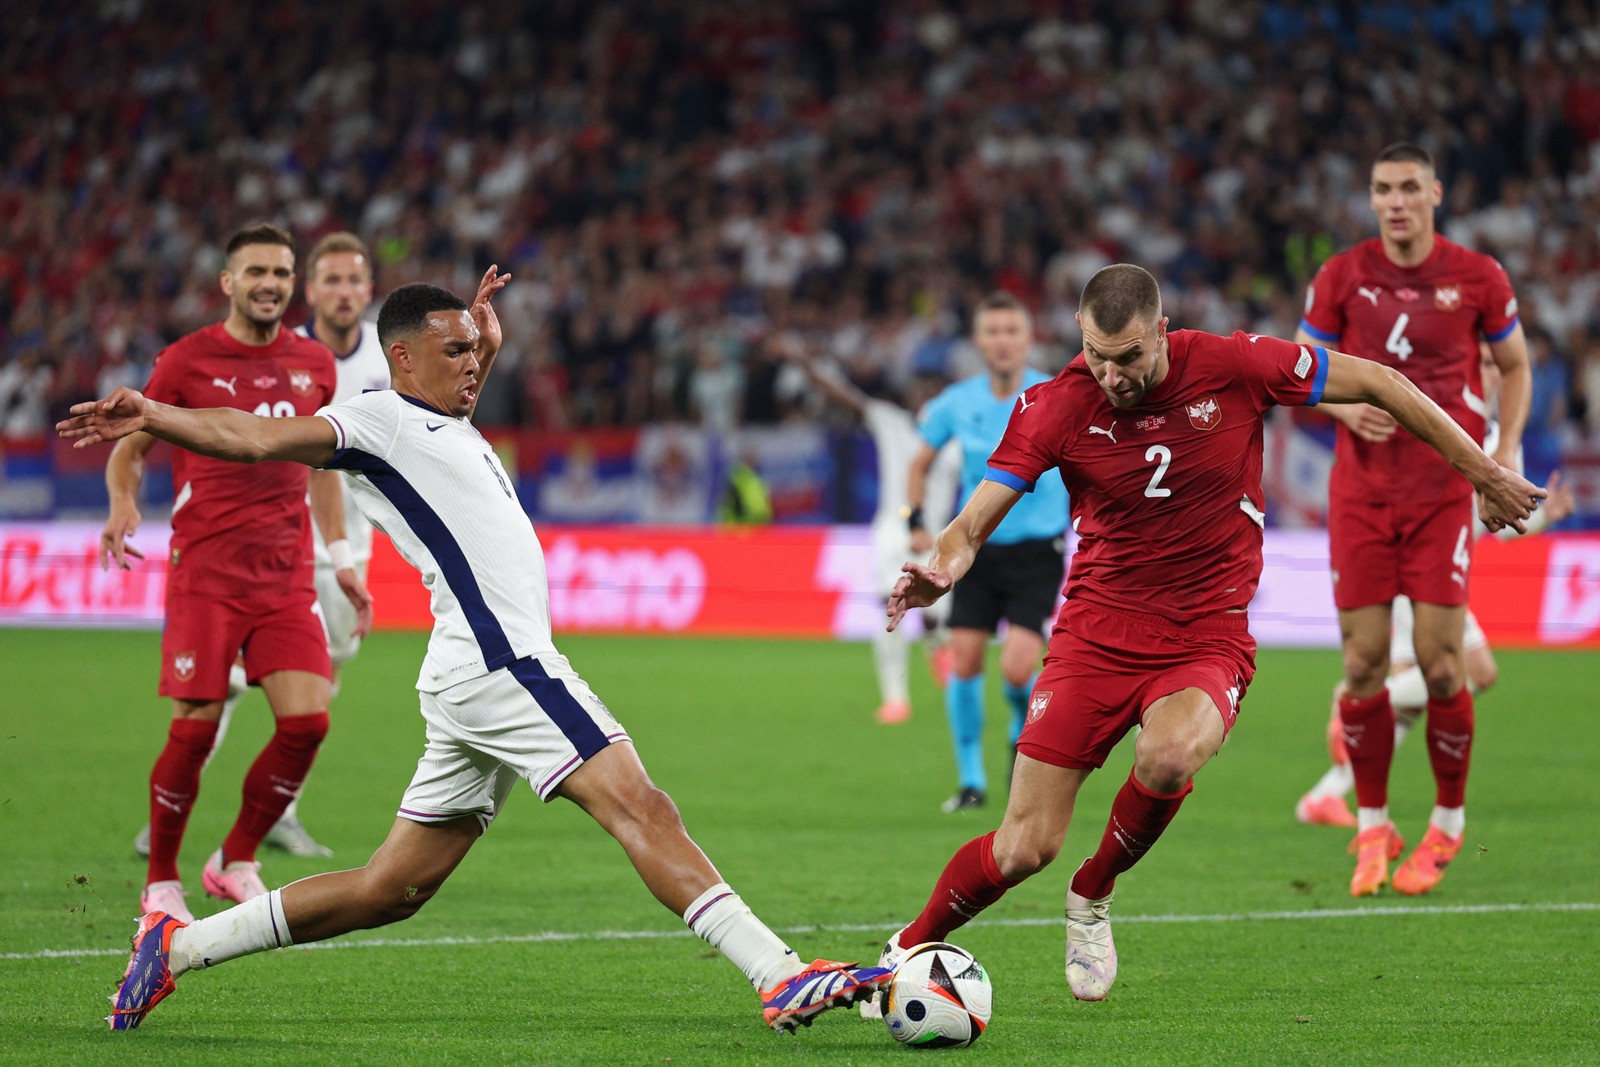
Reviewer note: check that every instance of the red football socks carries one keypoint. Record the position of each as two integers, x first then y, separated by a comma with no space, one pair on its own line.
274,780
174,783
1450,729
1138,817
1368,725
971,882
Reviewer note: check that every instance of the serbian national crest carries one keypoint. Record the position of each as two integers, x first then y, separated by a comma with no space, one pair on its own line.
1205,413
302,382
1038,704
183,666
1447,297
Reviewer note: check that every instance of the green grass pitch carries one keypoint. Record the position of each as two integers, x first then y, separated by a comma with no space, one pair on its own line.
1239,943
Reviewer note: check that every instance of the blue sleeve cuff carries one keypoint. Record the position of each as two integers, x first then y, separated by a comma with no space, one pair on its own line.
1318,334
1007,479
1319,381
1503,334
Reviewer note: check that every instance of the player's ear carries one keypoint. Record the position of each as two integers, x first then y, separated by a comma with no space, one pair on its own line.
400,356
225,279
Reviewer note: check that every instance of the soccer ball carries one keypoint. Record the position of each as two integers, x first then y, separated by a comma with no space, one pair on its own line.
940,998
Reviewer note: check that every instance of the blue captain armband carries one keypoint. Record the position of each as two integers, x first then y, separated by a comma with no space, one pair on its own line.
1007,479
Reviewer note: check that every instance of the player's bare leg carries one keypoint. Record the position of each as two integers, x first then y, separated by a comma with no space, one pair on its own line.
1367,718
1450,728
963,701
613,787
1020,655
299,701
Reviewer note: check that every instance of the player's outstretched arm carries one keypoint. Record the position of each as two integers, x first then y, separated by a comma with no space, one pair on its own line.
1365,421
834,386
489,336
953,551
222,433
1510,355
1505,497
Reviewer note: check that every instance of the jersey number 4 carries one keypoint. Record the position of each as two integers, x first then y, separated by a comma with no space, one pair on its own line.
1397,342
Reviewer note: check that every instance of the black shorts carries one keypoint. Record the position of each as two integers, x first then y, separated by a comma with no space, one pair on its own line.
1016,582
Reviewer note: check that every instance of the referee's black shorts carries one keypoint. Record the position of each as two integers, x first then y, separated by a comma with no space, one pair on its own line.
1016,582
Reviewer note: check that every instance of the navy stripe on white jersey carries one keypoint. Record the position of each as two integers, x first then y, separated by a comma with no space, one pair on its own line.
432,483
363,369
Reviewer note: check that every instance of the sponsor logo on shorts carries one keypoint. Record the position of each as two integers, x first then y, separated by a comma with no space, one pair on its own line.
1205,413
183,666
1039,704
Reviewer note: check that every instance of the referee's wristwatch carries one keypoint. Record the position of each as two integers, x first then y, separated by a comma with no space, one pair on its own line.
913,517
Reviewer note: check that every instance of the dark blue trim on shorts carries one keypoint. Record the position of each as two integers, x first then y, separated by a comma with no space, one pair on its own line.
1007,479
441,543
1503,334
1319,381
1318,334
562,707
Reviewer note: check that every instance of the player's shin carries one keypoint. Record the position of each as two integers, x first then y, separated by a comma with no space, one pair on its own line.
1450,727
254,926
1138,817
274,780
1368,724
970,882
723,920
174,782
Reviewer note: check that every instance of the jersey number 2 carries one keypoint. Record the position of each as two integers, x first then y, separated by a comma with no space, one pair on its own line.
1163,455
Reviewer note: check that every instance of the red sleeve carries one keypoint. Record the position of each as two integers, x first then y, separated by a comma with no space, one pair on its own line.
1279,371
166,378
1031,444
1324,313
1499,312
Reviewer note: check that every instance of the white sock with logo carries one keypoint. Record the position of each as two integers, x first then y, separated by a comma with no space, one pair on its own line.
723,921
254,926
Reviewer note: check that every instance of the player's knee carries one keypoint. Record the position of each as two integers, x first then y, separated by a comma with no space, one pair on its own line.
385,901
1482,675
1365,668
303,732
1023,856
1167,767
1444,678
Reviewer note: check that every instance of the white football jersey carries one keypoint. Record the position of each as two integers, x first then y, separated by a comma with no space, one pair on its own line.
433,484
897,440
364,369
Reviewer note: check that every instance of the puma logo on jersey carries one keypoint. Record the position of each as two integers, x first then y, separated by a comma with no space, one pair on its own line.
1111,433
1022,398
1370,294
228,385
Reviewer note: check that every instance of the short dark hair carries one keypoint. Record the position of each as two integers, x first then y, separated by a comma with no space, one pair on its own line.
1118,294
1000,300
405,311
339,241
258,233
1405,152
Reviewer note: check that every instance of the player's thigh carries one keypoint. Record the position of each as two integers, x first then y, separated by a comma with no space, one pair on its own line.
534,719
338,614
1087,696
1181,732
296,692
1363,547
201,637
1436,550
288,635
1439,633
1364,635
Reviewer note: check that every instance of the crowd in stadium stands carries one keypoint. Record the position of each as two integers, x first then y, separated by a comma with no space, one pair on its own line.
671,181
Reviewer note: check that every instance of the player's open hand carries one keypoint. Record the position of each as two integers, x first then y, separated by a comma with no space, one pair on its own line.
483,312
919,587
94,421
355,591
114,547
1506,498
1560,503
1365,421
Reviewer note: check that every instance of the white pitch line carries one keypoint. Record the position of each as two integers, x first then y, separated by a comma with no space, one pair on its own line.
551,936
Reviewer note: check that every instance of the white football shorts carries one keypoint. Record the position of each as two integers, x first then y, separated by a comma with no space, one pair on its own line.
534,719
1402,649
338,614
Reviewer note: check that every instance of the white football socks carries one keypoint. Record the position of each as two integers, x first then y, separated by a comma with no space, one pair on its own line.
1367,818
1407,688
254,926
1450,820
891,653
1336,781
725,923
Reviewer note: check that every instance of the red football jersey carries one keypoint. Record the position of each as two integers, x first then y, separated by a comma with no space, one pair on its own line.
1166,496
1425,321
239,530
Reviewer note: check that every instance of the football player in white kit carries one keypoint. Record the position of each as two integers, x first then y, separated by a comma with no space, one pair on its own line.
499,701
339,291
1325,803
896,440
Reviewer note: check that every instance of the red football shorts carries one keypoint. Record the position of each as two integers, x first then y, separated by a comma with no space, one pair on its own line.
204,634
1421,547
1105,667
